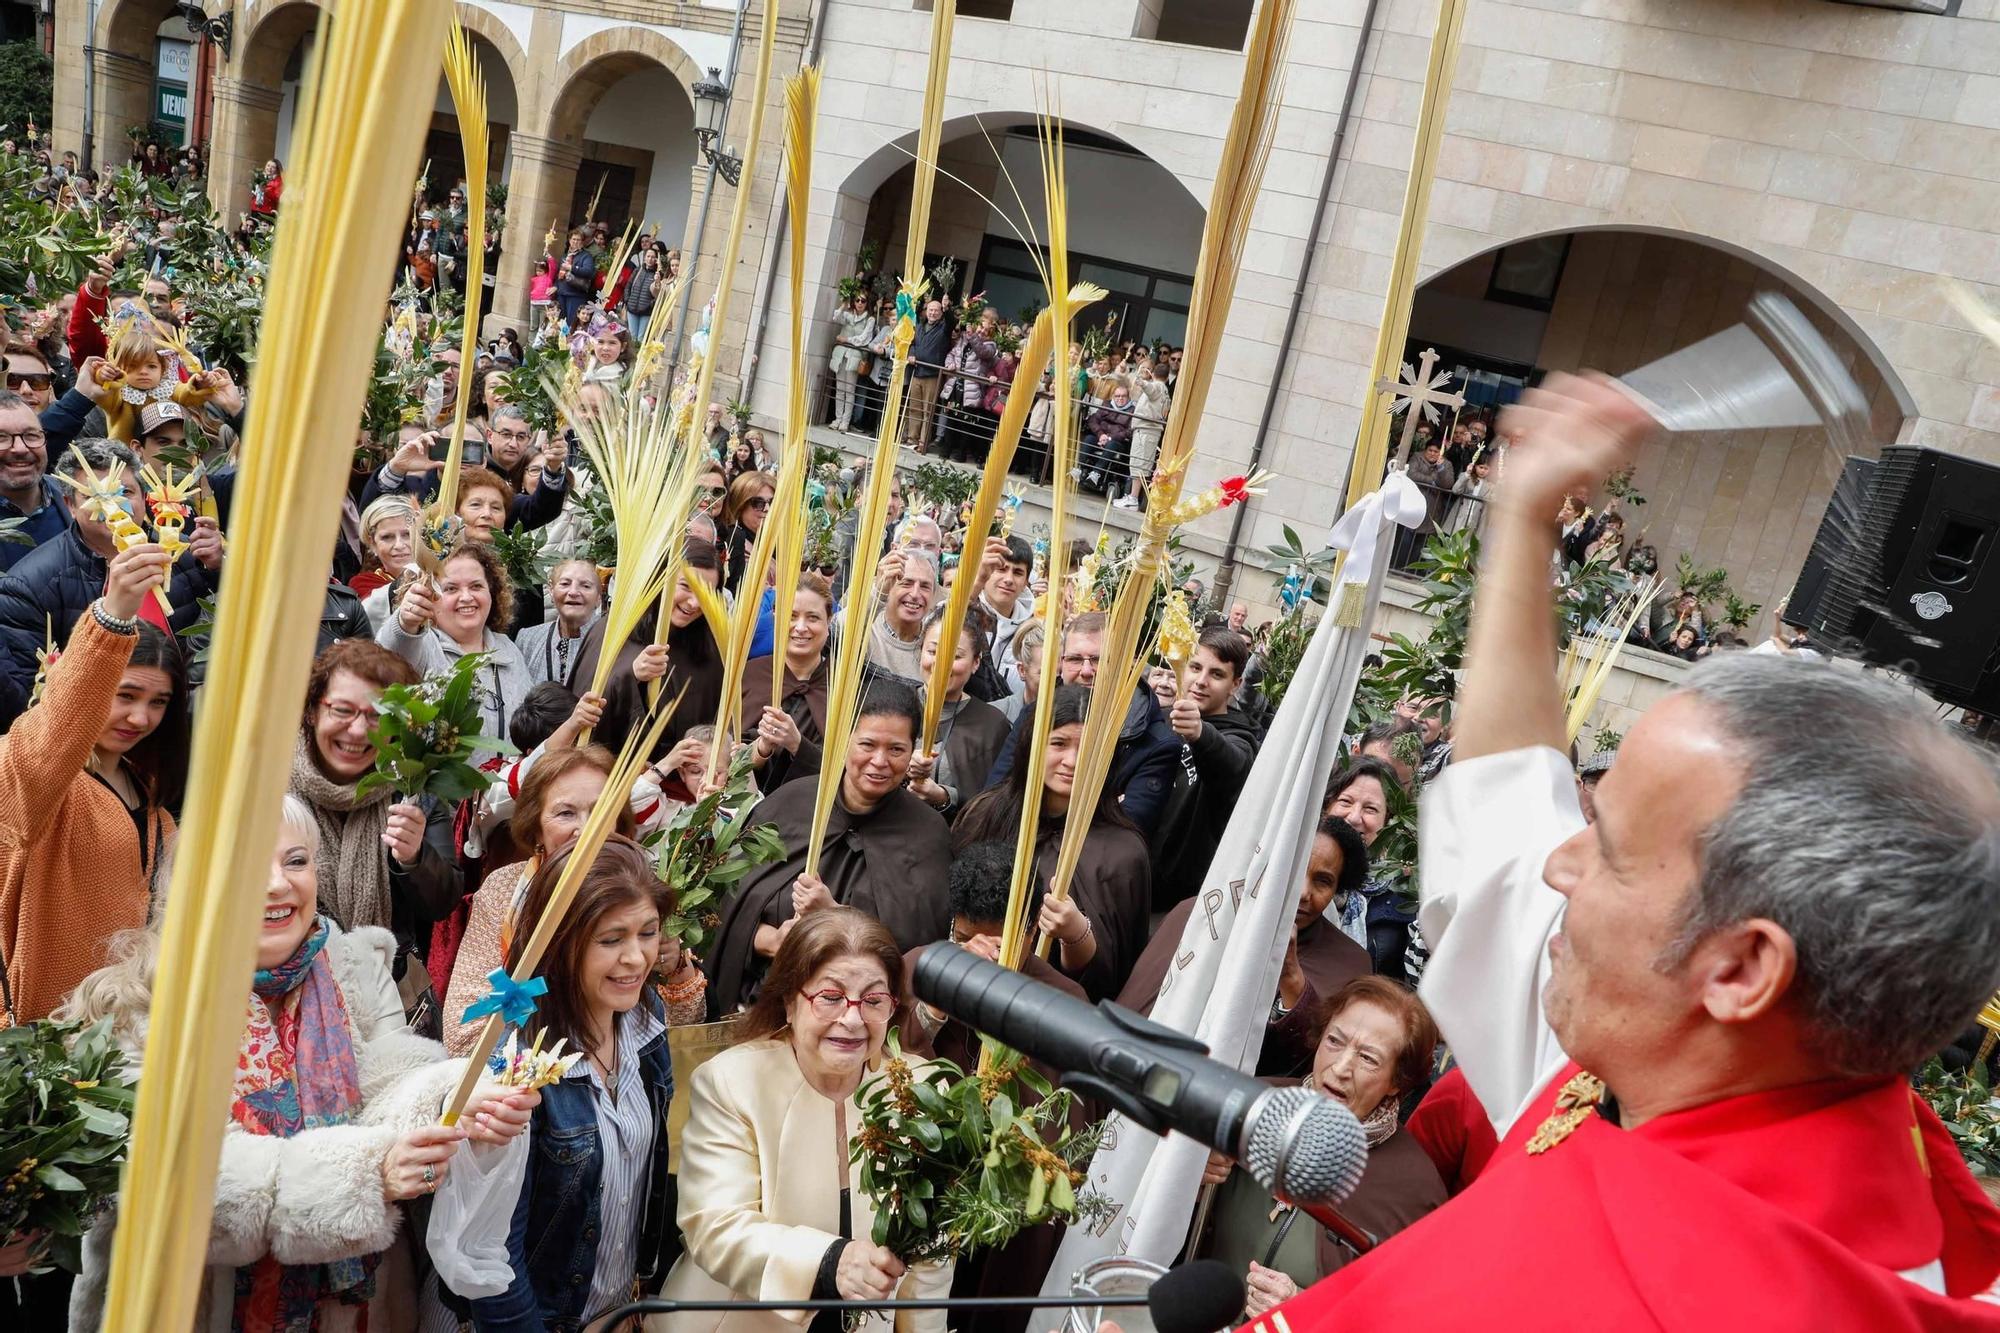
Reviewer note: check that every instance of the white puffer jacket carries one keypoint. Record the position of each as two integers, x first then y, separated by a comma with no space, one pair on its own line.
316,1196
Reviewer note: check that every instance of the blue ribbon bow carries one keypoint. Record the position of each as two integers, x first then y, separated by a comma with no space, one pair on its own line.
512,1000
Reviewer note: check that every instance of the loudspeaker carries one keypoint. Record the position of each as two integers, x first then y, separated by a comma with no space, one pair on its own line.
1904,573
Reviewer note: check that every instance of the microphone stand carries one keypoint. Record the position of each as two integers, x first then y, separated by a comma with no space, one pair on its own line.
661,1306
1352,1236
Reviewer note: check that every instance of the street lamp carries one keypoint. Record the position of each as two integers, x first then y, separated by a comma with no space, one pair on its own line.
711,109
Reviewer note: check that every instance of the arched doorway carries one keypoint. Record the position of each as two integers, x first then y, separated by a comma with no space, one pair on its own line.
1617,298
130,81
988,217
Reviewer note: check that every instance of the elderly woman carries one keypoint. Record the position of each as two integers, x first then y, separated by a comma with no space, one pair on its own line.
1376,1045
465,610
591,1222
768,1208
333,1121
388,547
551,649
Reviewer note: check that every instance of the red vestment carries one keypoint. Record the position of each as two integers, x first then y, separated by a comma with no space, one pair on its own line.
1794,1209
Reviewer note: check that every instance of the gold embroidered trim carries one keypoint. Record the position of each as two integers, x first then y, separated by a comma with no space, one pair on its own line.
1576,1103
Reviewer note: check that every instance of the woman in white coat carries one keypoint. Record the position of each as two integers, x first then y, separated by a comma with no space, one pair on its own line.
333,1121
768,1205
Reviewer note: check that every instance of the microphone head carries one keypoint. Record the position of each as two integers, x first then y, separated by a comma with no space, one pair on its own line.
1200,1297
1305,1146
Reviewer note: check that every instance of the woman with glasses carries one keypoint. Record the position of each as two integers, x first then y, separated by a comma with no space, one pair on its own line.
382,861
594,1218
768,1207
744,510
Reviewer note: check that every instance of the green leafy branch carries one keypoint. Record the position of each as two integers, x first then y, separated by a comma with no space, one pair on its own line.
707,850
65,1117
426,736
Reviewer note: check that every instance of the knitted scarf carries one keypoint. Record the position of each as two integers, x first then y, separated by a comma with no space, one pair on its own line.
353,868
297,1072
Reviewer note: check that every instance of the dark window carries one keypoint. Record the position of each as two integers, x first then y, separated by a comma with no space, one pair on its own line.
1222,24
978,9
1528,272
1150,305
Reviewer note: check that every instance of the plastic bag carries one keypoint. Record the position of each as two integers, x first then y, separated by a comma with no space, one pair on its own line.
471,1214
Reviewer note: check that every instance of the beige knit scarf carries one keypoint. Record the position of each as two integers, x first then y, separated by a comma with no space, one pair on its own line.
353,866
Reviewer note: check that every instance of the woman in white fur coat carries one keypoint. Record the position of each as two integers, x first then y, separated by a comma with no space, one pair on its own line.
333,1125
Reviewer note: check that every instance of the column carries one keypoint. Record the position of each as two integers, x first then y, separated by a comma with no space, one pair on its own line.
245,136
540,188
124,99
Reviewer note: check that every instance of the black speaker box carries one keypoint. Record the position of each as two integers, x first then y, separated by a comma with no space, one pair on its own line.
1904,573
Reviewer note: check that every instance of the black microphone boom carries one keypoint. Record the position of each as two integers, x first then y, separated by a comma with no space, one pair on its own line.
1307,1148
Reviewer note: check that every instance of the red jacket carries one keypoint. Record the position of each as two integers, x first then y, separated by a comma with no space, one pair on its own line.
86,326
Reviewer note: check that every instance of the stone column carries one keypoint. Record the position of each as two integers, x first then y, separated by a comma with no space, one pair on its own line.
542,183
244,137
124,99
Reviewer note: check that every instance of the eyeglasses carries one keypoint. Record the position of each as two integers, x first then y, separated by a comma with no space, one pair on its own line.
761,502
714,492
36,382
27,439
344,714
832,1004
513,436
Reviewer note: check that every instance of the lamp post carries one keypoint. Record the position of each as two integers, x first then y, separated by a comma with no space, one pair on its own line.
711,109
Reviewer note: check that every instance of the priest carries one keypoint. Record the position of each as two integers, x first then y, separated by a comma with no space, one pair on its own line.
1691,1022
886,853
1319,957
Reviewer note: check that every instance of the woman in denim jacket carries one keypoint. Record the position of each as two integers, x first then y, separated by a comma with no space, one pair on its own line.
595,1220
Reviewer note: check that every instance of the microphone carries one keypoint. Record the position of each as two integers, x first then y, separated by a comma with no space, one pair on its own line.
1305,1148
1198,1297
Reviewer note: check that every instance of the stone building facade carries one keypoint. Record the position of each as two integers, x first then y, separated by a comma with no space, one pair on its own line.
1674,155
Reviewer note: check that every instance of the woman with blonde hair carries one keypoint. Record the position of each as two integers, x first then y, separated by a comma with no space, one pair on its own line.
389,530
768,1210
333,1121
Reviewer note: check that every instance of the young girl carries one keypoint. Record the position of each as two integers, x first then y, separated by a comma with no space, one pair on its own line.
608,358
88,779
970,732
136,373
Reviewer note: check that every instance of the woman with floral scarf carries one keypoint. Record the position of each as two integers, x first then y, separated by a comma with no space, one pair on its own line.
333,1123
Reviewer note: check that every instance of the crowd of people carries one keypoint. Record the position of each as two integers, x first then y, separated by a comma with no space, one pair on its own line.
965,362
383,915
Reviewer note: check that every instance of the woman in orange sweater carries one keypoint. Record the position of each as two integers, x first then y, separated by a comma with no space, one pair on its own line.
87,779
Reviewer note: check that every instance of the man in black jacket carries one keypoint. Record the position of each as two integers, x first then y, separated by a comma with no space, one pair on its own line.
1221,746
927,353
54,584
1148,754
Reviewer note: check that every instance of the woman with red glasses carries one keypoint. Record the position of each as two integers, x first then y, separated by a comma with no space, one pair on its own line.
768,1210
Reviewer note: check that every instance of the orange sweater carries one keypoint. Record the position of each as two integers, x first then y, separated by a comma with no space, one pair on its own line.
71,871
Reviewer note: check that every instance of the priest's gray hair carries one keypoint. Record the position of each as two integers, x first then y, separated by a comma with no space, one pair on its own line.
1869,832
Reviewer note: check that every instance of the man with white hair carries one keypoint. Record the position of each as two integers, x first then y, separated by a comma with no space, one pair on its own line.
1691,1021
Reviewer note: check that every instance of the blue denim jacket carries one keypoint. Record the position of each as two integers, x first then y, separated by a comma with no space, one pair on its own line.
553,1244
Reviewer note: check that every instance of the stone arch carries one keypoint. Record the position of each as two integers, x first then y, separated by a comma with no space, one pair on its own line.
599,61
129,26
125,72
500,37
1451,250
266,48
869,174
1745,500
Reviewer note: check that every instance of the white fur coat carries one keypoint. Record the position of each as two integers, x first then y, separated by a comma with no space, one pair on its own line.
316,1196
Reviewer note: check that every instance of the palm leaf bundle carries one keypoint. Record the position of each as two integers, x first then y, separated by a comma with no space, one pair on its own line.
1124,652
372,77
1588,658
844,689
596,830
788,508
468,98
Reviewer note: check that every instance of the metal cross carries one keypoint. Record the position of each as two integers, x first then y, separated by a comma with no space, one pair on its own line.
1424,388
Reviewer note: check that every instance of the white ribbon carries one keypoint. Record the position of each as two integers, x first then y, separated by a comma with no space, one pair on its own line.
1360,529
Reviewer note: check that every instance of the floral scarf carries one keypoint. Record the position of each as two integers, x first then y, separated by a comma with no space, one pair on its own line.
297,1072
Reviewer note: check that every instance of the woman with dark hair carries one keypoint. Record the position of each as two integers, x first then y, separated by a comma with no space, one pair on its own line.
382,861
593,1219
1376,918
1101,927
1374,1045
465,609
89,778
744,510
785,739
885,853
971,732
767,1206
691,658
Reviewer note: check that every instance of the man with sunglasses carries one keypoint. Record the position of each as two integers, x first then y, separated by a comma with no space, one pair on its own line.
29,376
27,492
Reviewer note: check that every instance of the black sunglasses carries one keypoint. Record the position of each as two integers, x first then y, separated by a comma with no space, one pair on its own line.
36,382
